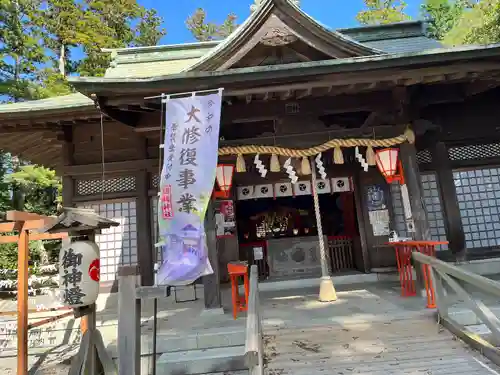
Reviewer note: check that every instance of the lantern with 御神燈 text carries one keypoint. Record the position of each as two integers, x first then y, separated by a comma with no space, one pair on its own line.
79,273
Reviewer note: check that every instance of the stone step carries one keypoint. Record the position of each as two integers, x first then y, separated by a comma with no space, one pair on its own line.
182,341
202,361
204,339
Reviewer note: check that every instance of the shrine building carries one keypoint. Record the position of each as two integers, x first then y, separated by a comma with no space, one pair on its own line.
288,81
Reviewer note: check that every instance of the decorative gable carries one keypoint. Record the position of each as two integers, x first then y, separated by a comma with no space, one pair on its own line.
281,25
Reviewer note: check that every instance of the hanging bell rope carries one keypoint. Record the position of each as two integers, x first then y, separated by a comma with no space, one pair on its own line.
407,136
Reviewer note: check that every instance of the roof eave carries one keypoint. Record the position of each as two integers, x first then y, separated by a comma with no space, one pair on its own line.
210,80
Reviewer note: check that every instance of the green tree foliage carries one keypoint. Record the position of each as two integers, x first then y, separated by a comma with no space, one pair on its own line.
21,53
479,25
40,186
204,30
443,15
381,12
122,23
34,189
148,31
38,39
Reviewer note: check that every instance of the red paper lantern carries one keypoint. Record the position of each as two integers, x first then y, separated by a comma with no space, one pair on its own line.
388,164
224,178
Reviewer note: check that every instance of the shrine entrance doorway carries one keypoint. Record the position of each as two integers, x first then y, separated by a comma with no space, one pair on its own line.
278,232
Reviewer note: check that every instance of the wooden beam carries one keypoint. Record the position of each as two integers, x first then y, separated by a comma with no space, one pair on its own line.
23,216
34,237
370,120
126,118
19,225
112,167
480,86
313,106
305,93
30,119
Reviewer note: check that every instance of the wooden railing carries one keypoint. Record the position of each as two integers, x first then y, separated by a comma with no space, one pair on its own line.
340,253
254,341
451,285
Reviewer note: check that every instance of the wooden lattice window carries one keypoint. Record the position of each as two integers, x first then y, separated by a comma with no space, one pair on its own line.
118,245
155,181
432,202
399,216
474,152
110,185
424,157
479,202
432,205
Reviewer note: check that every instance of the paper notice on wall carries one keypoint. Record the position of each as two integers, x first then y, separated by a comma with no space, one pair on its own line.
379,220
219,224
258,253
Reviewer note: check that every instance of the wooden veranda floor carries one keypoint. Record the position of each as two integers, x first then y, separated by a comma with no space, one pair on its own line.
409,346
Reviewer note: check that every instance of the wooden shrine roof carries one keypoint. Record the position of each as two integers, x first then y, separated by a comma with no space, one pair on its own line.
75,220
146,62
332,72
321,62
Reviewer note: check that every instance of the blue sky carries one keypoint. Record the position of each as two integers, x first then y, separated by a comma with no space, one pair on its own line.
332,13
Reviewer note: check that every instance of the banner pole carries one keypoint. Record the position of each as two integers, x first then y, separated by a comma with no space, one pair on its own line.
187,93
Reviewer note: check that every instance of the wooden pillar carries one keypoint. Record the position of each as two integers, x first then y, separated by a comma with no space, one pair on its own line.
408,157
449,202
22,303
211,283
68,183
362,226
144,240
145,249
129,322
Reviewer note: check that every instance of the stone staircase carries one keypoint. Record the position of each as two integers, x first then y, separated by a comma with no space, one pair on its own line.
210,351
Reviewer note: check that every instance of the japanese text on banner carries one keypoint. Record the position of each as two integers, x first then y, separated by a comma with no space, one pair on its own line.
187,180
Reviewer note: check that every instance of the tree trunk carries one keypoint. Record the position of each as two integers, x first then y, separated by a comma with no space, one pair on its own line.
62,60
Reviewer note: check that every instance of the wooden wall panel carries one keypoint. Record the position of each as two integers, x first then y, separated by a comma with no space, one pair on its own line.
120,143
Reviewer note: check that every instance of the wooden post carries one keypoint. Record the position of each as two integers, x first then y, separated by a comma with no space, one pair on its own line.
449,202
211,283
22,303
358,202
129,322
408,157
68,183
145,249
326,289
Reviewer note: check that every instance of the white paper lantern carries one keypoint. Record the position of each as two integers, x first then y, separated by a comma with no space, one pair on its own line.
79,273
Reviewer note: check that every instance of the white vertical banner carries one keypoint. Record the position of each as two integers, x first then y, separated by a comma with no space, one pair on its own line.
187,180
